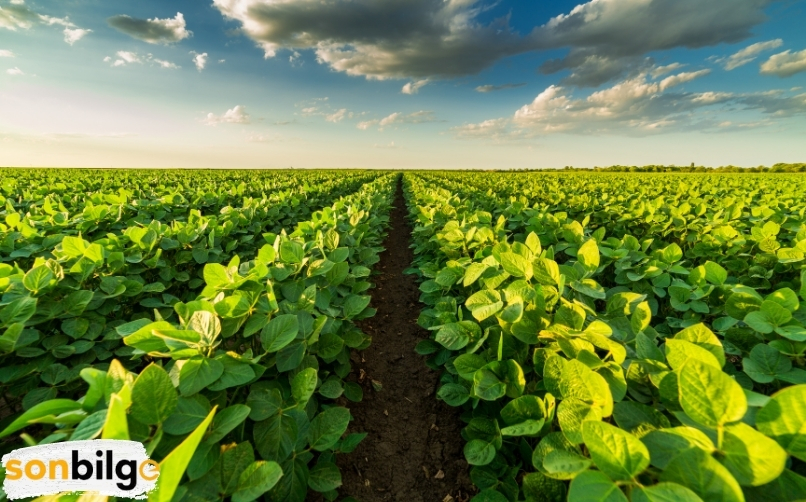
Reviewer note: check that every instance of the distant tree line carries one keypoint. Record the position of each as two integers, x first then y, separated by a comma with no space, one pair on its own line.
777,168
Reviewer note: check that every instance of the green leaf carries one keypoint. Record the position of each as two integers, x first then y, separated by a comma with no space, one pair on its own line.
752,458
479,452
525,428
324,477
279,332
588,255
304,385
771,316
484,304
742,303
516,265
679,352
784,420
189,413
664,492
594,486
257,479
615,452
327,428
540,488
291,252
198,373
52,407
765,364
234,461
173,466
641,317
639,419
714,273
709,396
37,278
700,335
154,398
665,444
354,305
226,420
18,311
264,403
454,394
702,474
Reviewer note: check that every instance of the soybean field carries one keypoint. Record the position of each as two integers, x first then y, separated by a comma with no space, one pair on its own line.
423,336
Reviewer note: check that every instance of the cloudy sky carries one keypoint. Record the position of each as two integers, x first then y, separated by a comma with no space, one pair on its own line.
401,83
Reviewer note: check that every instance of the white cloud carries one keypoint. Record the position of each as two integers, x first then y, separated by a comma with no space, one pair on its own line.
635,106
164,64
153,31
73,35
4,53
235,115
18,16
609,37
419,117
337,116
123,58
659,71
200,60
785,64
15,72
750,53
414,87
682,78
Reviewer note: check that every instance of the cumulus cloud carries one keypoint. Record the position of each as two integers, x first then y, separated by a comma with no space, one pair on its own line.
785,64
493,88
153,31
750,53
15,72
73,35
432,39
380,39
636,106
123,58
396,118
18,16
5,53
235,115
608,38
200,60
413,87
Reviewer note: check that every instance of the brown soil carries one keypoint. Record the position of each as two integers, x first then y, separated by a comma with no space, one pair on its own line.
413,451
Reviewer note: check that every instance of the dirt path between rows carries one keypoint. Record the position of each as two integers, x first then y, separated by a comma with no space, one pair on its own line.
413,451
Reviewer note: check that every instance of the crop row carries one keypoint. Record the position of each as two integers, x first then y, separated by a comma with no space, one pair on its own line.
640,337
226,368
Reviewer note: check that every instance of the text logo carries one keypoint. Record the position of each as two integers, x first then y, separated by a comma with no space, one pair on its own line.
112,467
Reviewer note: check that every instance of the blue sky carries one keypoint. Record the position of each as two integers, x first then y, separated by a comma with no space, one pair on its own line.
401,83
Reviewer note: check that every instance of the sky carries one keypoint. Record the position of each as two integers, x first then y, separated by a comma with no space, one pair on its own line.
399,84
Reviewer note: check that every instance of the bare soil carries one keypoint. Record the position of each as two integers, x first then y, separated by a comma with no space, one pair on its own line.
413,451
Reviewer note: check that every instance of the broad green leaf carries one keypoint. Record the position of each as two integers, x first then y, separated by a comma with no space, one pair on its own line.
588,255
679,352
324,477
709,396
258,478
702,474
700,335
594,486
198,373
226,420
664,492
784,420
279,332
484,304
752,458
665,444
479,452
153,396
327,428
304,385
516,265
615,452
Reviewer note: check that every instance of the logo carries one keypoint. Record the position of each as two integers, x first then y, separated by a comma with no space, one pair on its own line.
112,467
